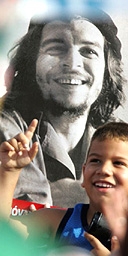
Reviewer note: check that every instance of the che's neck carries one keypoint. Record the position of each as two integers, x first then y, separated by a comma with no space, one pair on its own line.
70,130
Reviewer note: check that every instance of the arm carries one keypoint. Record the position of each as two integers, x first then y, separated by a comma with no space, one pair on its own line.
14,155
39,188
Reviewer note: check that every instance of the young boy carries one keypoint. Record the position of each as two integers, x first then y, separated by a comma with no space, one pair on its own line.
105,169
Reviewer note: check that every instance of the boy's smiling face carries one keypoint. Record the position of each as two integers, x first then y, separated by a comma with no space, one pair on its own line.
105,170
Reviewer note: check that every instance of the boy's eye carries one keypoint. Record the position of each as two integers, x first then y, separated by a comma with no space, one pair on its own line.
94,160
119,163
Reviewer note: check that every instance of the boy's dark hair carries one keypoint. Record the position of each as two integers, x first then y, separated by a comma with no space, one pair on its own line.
111,130
116,130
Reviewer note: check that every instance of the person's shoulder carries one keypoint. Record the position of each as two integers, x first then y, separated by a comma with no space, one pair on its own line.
52,212
12,117
9,114
50,216
114,118
11,123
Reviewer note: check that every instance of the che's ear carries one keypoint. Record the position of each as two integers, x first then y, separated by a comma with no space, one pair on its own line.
83,170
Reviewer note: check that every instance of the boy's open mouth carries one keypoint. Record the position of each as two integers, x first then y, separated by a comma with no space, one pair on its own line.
103,185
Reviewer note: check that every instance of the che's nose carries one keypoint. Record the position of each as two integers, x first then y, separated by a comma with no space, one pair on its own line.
105,169
73,60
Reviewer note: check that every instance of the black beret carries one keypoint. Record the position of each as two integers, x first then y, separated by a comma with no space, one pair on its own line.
107,27
96,16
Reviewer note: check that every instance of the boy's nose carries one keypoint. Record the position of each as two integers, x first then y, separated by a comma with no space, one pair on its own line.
73,60
105,169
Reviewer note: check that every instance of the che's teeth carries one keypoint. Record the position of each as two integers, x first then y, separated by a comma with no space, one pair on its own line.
70,81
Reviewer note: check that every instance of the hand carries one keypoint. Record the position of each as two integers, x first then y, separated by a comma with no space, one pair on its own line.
99,248
15,153
32,207
116,211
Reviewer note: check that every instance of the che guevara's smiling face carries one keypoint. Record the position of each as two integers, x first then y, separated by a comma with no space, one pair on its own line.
70,64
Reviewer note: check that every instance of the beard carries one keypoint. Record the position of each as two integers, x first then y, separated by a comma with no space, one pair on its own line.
58,109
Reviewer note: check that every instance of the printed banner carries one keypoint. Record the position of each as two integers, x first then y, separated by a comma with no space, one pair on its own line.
21,207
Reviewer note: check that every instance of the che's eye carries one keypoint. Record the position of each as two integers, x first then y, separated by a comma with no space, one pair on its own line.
86,51
55,50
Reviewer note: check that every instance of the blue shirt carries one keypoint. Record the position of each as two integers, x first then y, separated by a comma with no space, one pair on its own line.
71,229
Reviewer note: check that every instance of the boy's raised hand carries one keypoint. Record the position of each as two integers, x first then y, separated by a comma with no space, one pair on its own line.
15,153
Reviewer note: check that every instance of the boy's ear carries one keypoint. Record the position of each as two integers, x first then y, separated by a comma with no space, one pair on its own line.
83,169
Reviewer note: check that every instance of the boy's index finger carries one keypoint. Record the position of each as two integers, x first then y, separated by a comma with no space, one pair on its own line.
31,129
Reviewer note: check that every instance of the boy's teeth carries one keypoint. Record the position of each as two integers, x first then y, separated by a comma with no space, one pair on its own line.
70,81
103,185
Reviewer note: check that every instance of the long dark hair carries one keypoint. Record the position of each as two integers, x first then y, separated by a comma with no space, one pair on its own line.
26,98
